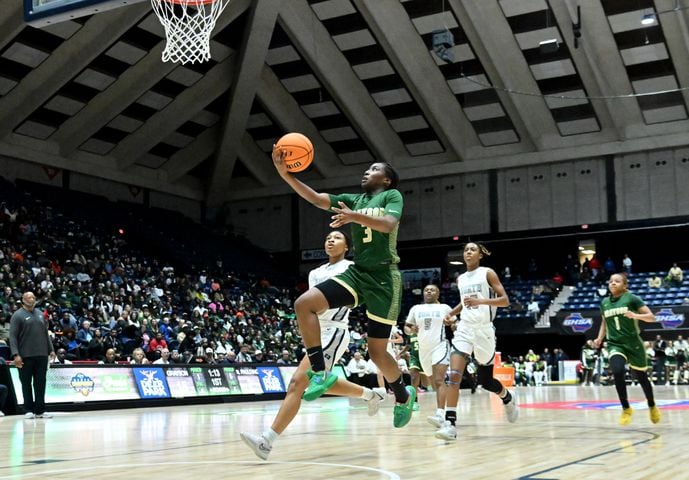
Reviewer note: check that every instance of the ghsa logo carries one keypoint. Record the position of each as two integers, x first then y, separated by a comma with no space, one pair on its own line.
82,383
577,323
668,319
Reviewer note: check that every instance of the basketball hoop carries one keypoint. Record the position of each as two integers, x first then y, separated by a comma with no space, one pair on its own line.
188,25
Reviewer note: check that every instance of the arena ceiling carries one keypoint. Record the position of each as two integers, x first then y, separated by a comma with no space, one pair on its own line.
359,77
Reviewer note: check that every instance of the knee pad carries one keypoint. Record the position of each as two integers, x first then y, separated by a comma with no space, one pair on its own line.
617,363
457,374
485,373
486,379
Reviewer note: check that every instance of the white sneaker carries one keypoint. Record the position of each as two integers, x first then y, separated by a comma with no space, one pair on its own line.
258,444
512,410
29,415
1,414
436,420
44,415
446,432
379,396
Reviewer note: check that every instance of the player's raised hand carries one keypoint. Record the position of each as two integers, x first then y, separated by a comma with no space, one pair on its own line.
279,155
343,215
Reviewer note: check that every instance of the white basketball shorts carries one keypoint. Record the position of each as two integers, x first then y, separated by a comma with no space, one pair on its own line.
479,340
430,355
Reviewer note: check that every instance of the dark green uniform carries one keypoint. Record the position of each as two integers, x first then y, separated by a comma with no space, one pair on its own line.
622,332
374,279
414,362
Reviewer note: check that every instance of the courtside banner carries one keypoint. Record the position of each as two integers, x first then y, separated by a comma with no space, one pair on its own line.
97,383
248,380
271,380
587,322
209,380
79,385
151,382
180,382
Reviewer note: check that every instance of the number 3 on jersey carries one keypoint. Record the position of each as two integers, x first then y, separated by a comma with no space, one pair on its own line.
368,235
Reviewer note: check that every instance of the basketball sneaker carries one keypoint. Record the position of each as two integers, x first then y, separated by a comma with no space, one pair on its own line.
379,396
436,420
446,432
626,417
401,414
258,444
44,415
512,410
416,407
654,413
29,415
319,383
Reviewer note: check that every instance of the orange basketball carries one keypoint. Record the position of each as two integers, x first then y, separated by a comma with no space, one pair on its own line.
299,151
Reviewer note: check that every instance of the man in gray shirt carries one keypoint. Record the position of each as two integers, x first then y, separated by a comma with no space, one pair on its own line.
31,346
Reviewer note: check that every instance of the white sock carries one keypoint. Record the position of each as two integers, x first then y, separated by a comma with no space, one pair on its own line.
440,412
270,435
367,394
451,409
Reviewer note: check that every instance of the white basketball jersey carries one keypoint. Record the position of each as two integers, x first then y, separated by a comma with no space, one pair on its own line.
475,284
428,317
333,317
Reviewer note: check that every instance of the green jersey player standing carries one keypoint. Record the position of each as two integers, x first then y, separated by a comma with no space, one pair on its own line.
373,279
621,312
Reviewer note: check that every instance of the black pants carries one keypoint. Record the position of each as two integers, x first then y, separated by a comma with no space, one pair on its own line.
35,369
4,391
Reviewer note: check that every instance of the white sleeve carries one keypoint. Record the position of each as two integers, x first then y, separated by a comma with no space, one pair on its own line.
311,279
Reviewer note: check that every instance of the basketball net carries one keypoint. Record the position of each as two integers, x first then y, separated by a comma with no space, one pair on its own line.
188,26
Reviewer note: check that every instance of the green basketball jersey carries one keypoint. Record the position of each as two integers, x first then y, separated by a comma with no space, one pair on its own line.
372,249
620,329
414,344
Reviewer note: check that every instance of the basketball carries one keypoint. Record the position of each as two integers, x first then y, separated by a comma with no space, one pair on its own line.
299,151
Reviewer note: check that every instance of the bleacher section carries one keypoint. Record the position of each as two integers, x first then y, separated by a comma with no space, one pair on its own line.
587,297
160,233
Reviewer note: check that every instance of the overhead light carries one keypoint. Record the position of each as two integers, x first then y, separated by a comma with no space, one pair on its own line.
588,251
456,262
549,46
648,19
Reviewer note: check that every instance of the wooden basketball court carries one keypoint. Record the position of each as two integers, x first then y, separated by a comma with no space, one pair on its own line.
334,438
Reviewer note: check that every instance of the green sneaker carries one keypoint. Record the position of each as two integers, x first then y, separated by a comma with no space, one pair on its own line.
319,383
416,407
402,411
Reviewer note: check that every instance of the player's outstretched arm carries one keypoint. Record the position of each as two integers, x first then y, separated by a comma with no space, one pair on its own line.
320,200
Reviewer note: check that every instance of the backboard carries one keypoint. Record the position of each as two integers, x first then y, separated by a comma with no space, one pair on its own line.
40,13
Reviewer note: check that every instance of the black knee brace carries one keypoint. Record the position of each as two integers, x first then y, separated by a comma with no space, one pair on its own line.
486,379
617,364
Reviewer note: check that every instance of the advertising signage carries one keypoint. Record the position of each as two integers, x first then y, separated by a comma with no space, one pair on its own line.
93,383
